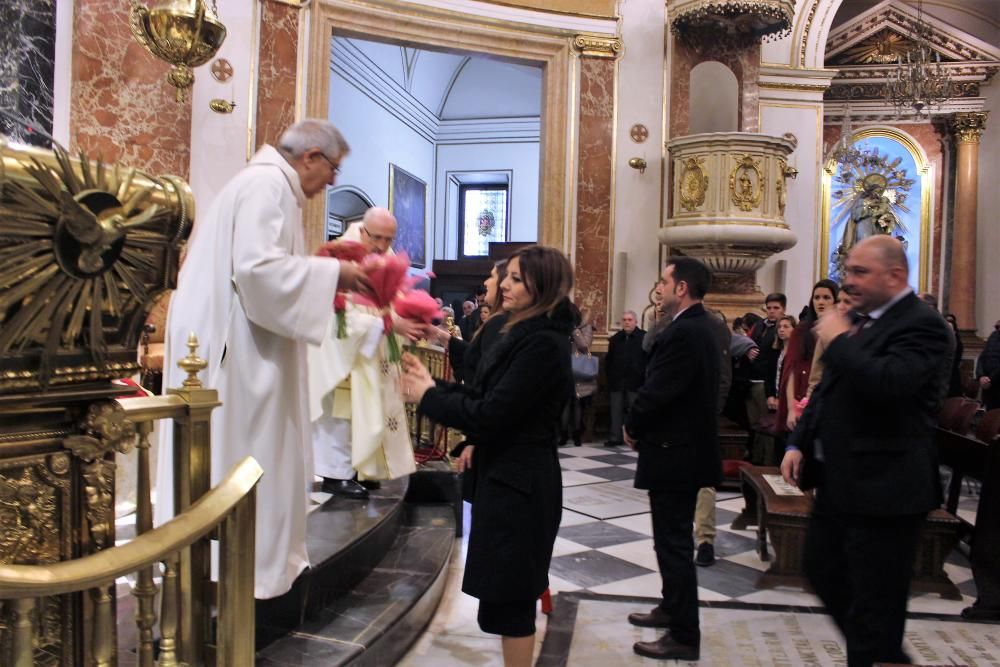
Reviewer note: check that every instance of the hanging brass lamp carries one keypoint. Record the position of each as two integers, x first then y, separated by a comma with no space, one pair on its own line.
184,33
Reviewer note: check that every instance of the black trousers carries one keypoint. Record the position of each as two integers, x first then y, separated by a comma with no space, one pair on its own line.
860,566
673,516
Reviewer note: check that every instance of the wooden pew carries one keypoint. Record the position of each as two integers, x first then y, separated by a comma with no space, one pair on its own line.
785,519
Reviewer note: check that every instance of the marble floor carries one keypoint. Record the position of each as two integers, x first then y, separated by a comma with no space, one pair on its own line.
604,556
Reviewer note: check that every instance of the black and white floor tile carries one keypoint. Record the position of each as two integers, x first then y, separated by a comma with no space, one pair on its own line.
603,567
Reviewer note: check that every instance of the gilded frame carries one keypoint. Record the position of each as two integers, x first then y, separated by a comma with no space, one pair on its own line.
407,23
925,170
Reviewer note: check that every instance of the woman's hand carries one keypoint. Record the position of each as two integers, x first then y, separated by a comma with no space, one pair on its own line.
464,461
772,403
410,330
793,419
416,379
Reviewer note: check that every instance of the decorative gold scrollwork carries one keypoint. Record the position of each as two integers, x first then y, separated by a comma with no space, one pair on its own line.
746,183
779,186
694,184
105,430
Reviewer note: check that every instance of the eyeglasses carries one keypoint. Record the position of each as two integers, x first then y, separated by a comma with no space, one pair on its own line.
333,165
378,238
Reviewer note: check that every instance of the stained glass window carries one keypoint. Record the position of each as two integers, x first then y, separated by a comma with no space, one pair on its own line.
483,212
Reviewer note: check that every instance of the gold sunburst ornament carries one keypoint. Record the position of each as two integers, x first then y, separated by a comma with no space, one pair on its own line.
84,248
184,33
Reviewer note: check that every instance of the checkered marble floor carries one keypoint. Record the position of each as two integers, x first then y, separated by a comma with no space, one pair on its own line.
605,542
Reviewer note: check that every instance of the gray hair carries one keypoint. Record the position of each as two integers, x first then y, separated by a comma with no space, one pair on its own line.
314,133
632,313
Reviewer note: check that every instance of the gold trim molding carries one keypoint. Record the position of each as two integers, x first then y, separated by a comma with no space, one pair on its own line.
594,46
694,184
810,87
969,126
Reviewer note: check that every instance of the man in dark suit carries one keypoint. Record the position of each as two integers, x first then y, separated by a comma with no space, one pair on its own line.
674,427
625,366
867,443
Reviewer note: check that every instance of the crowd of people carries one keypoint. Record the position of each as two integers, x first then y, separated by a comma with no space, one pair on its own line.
842,397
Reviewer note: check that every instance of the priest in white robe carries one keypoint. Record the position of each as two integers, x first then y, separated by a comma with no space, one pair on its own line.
256,298
359,419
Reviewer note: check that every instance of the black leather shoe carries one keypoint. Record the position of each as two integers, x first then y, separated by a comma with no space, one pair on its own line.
706,554
667,648
657,618
371,484
345,488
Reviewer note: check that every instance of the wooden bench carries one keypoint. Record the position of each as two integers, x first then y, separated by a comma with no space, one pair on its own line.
785,519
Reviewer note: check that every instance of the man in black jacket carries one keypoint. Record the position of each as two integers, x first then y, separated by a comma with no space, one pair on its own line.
868,448
626,369
988,369
674,426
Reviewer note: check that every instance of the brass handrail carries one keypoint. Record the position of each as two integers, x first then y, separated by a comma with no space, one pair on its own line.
26,581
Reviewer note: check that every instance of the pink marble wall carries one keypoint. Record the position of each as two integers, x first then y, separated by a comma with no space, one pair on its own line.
744,63
931,138
279,40
593,213
122,108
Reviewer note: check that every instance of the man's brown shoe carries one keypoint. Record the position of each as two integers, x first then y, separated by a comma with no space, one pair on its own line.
657,618
667,648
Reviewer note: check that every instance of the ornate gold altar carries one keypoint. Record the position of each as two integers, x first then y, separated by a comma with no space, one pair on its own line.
84,249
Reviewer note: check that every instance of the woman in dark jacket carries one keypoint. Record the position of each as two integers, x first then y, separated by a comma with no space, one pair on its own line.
513,406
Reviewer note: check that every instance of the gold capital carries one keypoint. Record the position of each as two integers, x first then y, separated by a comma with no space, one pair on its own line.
968,126
596,46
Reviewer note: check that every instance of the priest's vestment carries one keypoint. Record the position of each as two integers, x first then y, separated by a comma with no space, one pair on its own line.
255,300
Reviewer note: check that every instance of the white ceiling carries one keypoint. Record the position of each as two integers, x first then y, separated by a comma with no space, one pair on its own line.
459,87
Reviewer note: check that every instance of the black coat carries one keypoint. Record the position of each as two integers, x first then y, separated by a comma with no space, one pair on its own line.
874,413
625,363
513,406
674,417
464,355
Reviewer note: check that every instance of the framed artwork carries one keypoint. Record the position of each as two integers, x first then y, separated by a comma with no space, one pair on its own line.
408,202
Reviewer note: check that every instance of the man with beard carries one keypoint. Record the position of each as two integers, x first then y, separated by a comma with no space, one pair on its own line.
674,427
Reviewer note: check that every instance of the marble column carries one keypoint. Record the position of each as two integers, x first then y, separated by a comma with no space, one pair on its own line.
968,128
594,180
28,42
276,85
122,109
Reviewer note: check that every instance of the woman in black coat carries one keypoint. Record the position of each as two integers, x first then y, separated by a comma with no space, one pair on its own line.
513,406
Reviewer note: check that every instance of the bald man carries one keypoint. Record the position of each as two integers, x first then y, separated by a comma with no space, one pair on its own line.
865,443
354,403
376,230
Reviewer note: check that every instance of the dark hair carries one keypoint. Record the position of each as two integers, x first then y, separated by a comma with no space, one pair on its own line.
777,296
691,271
750,320
548,277
809,318
501,269
480,291
778,343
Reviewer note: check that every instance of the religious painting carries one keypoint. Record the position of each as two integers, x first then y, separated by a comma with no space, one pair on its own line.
408,202
881,186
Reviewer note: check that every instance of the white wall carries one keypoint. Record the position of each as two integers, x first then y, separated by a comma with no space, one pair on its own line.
377,138
988,246
802,212
219,144
637,197
521,158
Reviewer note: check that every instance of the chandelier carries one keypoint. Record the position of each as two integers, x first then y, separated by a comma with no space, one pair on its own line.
184,33
844,152
918,83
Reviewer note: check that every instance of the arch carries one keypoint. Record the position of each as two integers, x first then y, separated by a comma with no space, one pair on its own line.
924,168
344,205
714,98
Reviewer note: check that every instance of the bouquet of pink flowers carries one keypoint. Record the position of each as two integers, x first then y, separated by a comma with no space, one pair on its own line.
800,406
345,251
386,277
418,306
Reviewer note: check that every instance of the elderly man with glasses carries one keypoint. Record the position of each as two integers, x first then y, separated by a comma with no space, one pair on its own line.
251,291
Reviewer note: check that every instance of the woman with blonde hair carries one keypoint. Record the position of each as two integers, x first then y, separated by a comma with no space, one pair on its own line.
513,405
